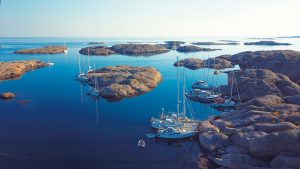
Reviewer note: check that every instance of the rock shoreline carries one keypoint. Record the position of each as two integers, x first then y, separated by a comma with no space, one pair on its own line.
44,50
15,69
264,130
117,82
125,49
214,63
191,48
266,43
216,43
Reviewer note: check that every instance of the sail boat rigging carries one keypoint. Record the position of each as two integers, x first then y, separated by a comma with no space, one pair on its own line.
175,125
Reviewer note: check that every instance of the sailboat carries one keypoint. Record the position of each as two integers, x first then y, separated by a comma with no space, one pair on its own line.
50,63
227,103
66,49
90,67
175,125
81,76
173,119
94,91
201,85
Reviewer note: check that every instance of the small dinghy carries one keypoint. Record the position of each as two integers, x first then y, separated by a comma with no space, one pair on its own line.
141,144
216,72
201,85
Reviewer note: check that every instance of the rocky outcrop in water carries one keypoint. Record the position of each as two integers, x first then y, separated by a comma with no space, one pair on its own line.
96,43
44,50
266,43
7,96
190,63
118,82
264,130
280,61
289,37
258,134
15,69
125,49
191,48
139,49
97,51
214,43
215,63
254,83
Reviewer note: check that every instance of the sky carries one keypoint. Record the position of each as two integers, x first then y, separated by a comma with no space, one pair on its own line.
149,18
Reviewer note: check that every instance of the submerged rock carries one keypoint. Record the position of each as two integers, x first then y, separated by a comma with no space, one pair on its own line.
266,43
7,96
43,50
191,48
118,82
15,69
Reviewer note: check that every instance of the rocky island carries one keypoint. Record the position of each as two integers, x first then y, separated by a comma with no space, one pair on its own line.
125,49
97,51
95,43
220,62
15,69
139,49
118,82
191,48
266,43
213,43
264,130
44,50
232,41
7,96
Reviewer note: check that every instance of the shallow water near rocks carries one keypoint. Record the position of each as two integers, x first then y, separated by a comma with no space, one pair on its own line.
52,123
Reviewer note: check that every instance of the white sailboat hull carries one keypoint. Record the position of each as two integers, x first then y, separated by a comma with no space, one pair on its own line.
176,135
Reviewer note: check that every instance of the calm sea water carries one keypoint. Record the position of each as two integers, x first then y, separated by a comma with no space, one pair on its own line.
52,123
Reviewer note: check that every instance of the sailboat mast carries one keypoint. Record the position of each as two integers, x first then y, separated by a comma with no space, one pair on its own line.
79,64
95,78
231,86
178,97
183,95
89,68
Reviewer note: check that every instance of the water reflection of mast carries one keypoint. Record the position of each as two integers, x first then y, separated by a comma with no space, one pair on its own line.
97,112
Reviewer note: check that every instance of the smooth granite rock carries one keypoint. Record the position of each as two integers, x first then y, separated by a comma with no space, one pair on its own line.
215,43
7,96
43,50
97,51
266,43
118,82
213,140
286,160
15,69
139,49
191,48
